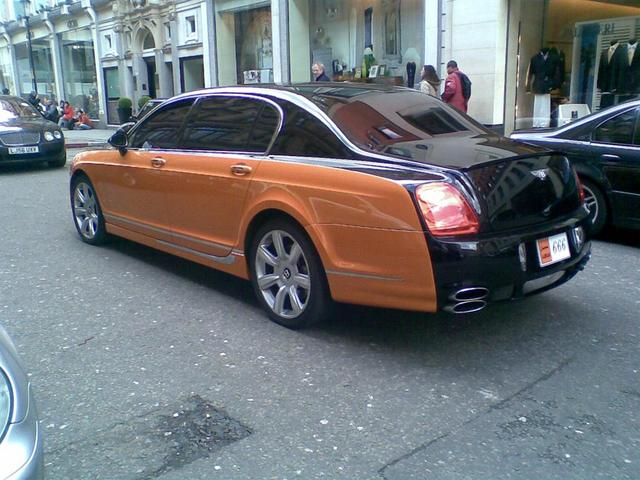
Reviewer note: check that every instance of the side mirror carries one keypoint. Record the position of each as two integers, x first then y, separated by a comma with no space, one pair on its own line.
119,140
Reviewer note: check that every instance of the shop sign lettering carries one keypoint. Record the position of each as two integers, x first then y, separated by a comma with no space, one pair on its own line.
608,28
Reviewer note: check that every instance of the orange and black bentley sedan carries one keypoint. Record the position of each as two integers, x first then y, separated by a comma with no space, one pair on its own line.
377,196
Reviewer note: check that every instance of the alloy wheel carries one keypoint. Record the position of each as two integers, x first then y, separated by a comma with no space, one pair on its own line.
85,210
282,274
591,201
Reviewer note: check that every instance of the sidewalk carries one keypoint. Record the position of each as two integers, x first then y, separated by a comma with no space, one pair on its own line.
87,138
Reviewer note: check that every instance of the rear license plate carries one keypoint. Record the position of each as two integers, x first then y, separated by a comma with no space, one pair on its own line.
22,150
553,249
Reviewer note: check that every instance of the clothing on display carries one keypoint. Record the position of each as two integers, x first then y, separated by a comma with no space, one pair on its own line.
614,64
541,110
633,69
546,71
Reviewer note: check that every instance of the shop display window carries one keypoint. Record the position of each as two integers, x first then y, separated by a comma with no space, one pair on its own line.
584,55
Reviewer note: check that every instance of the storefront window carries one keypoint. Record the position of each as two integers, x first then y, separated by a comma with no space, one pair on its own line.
192,73
79,71
245,44
355,40
6,78
584,56
43,67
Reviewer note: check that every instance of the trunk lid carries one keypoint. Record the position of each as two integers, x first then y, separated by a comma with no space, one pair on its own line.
524,191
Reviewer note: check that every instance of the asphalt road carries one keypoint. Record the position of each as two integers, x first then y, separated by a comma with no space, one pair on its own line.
147,366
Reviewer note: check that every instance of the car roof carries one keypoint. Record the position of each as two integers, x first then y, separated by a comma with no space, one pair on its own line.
321,94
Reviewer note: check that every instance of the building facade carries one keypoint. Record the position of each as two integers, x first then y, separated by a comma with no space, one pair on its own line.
530,61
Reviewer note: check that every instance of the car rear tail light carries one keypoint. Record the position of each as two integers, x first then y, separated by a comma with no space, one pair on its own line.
445,210
579,185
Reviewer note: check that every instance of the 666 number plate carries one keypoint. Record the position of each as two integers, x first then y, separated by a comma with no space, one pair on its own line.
553,249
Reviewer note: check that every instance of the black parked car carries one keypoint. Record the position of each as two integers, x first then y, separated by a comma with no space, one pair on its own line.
26,136
605,149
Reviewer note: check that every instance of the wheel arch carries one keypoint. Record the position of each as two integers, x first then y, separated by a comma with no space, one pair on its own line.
270,213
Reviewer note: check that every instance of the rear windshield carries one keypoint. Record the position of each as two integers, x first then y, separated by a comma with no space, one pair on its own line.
11,108
399,122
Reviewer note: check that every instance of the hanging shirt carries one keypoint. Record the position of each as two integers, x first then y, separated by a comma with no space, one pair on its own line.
631,49
612,50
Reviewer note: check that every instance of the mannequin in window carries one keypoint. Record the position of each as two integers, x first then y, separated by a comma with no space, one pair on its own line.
613,64
559,62
542,71
633,71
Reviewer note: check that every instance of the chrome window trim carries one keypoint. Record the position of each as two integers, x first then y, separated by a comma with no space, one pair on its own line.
298,100
197,99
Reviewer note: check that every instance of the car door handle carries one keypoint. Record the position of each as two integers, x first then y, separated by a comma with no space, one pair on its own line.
241,169
608,156
158,162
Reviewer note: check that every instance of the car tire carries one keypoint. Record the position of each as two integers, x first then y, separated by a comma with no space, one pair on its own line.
596,204
287,275
86,211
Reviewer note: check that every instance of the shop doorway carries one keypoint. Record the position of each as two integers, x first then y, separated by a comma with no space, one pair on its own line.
150,62
112,87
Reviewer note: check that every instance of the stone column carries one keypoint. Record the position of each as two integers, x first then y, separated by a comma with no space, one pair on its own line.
56,57
163,88
209,50
97,54
175,57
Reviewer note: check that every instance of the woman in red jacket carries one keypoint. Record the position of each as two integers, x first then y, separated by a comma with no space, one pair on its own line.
67,120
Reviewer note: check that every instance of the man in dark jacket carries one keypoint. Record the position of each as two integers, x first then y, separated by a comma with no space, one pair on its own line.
318,73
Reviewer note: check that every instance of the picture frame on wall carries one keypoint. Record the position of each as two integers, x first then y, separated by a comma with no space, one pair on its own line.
373,71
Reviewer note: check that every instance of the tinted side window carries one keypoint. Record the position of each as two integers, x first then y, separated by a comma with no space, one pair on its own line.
303,135
228,124
617,130
162,128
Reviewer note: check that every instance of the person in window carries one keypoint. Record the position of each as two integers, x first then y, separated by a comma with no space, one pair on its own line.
430,83
84,122
318,73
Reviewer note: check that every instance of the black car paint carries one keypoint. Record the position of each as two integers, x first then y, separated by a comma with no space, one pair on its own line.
49,151
614,169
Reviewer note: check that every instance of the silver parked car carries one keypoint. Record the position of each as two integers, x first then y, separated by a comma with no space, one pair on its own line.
21,453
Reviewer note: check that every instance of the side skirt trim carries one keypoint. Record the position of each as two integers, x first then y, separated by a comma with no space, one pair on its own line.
364,275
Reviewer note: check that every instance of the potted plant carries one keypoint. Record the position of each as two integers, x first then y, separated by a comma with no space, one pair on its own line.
124,109
142,101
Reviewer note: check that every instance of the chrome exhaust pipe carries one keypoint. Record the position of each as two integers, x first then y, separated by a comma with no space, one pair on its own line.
466,307
469,294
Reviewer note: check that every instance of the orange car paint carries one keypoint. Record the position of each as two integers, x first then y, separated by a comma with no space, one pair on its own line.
365,228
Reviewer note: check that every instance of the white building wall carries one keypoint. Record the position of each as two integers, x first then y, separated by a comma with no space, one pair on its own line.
475,37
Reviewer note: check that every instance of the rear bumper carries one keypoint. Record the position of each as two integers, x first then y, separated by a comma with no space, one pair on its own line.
492,269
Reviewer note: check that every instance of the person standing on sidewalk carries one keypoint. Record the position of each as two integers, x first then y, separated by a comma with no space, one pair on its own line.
430,82
454,87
